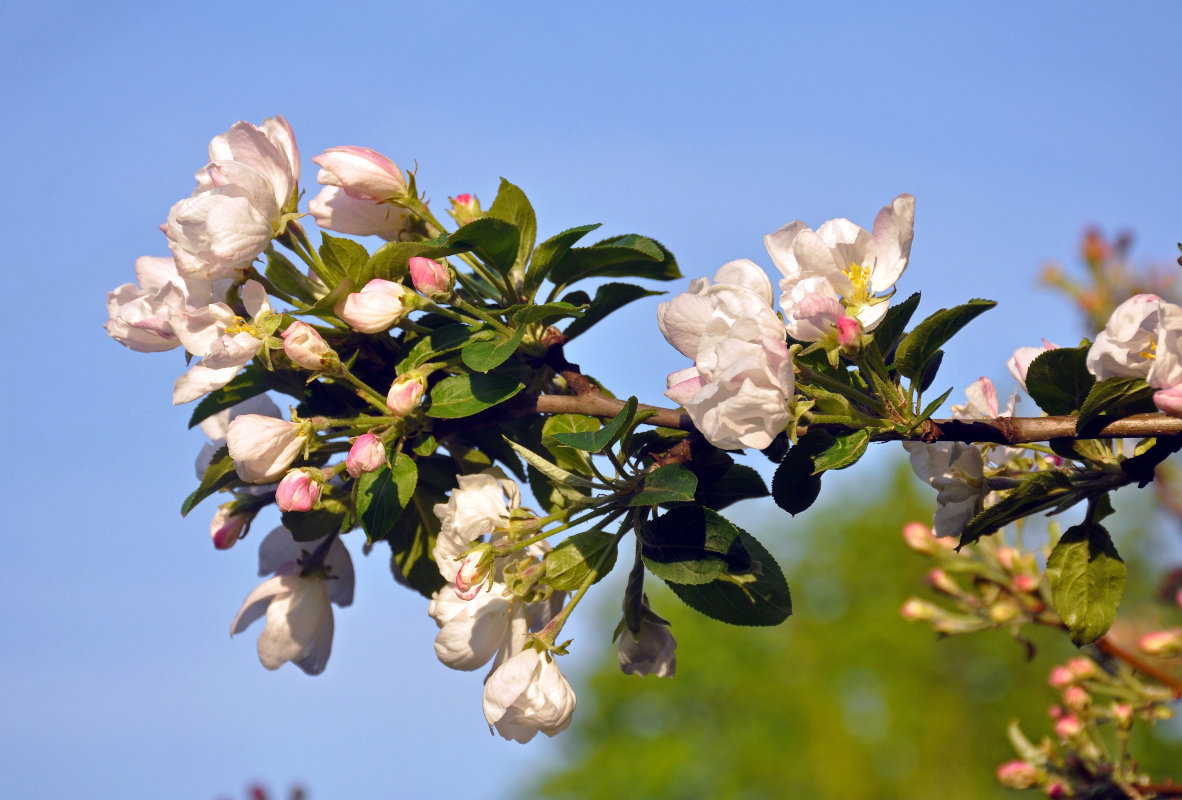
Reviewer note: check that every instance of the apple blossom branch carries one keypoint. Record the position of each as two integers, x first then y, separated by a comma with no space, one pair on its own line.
999,430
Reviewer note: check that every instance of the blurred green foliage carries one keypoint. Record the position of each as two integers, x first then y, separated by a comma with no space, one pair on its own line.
844,700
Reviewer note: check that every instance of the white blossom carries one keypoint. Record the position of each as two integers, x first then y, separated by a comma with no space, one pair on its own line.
843,259
231,344
652,651
335,209
1019,362
477,507
528,694
264,447
299,621
375,308
957,472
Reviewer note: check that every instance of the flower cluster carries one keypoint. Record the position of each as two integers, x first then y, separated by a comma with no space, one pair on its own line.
1143,339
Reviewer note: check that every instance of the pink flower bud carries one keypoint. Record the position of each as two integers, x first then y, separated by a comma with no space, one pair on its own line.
1017,775
1006,557
375,308
464,208
226,526
1082,668
367,454
1122,714
405,394
1055,712
363,173
1026,583
849,331
305,346
1056,790
1061,677
430,277
1076,698
919,538
1165,644
1068,726
939,580
916,610
298,491
1169,401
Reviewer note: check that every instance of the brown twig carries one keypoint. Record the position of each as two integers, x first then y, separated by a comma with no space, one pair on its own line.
1110,648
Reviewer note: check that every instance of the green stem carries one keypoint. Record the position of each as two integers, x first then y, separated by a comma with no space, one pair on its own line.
809,375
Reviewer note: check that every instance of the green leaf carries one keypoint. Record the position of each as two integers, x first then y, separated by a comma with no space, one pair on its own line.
494,240
608,298
287,278
1087,579
308,526
671,483
549,253
441,340
1041,490
413,535
796,484
514,207
887,334
464,395
928,374
600,440
692,545
218,475
249,383
343,258
391,261
552,471
931,407
737,483
1112,395
629,256
546,313
485,354
759,596
569,458
1058,380
919,347
382,496
569,564
845,450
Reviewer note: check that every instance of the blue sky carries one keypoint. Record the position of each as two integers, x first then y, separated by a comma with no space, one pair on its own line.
1014,125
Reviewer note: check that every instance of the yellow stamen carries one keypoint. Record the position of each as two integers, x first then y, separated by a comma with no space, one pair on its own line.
1149,353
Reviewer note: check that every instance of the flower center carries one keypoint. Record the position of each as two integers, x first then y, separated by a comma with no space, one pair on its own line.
859,276
1150,352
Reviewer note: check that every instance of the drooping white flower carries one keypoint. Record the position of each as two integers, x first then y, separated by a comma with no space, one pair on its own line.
843,259
264,447
653,651
957,472
304,345
744,380
528,694
473,630
477,507
240,201
299,621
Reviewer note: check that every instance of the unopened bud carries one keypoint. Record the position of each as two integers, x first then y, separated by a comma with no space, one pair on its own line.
1055,712
1061,677
1076,698
378,305
464,208
1055,790
849,334
1083,668
939,580
1017,775
1003,612
916,610
1164,644
367,454
406,393
227,525
475,569
298,491
1026,583
430,278
1068,726
306,347
920,539
1122,714
1006,556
